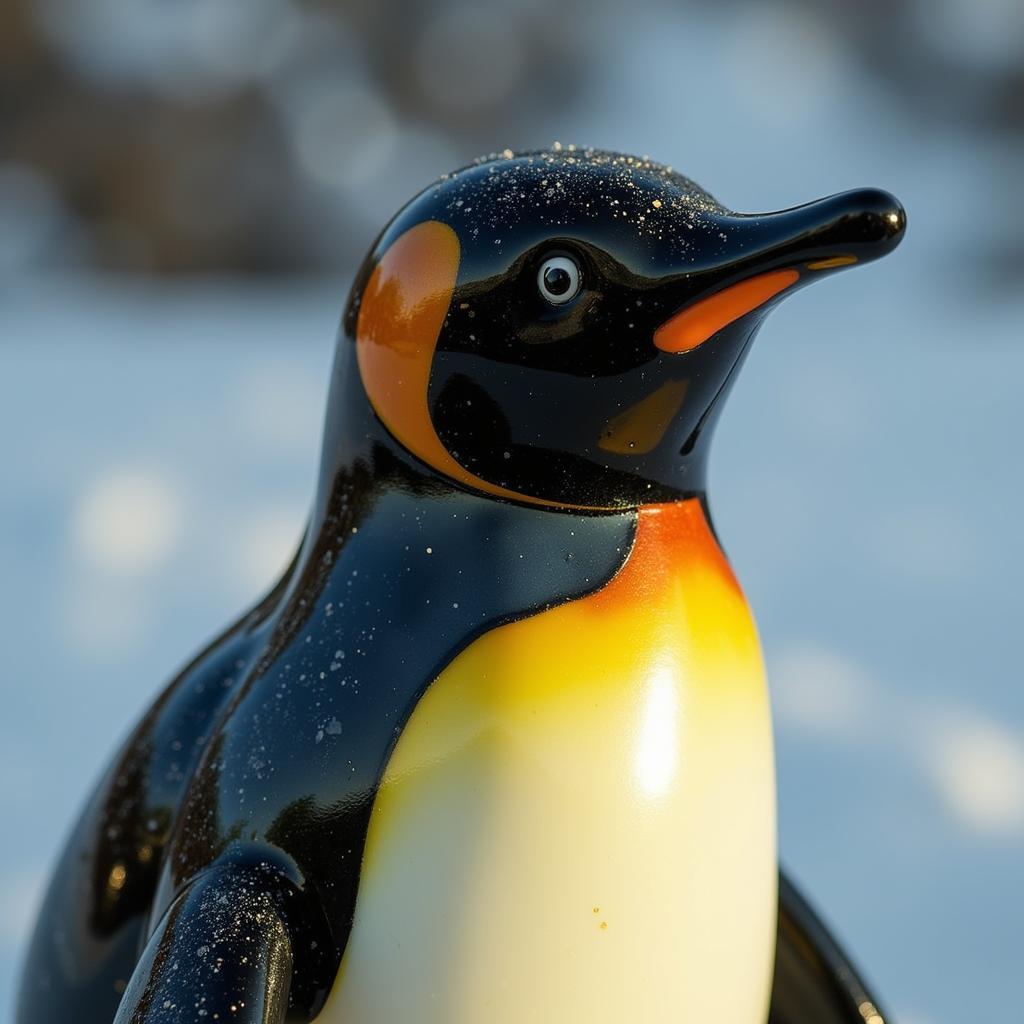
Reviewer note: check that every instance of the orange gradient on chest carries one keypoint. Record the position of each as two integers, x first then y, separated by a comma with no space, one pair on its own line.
614,753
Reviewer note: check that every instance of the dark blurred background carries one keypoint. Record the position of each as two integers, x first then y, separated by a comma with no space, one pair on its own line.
185,191
271,136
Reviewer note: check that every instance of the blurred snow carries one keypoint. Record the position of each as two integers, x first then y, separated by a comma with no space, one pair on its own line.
20,893
977,765
126,521
821,693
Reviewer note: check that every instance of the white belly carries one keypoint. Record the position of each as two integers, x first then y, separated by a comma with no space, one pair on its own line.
577,824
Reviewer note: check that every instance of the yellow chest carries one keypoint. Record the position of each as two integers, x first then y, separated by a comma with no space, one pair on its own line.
578,821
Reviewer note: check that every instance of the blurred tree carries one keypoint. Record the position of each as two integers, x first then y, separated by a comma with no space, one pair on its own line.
274,135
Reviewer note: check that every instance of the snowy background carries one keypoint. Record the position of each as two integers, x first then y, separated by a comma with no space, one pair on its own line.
160,430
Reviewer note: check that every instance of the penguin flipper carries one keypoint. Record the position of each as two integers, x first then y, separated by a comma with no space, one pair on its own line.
814,981
222,952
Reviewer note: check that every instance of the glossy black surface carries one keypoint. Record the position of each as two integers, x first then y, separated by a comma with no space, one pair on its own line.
524,391
312,691
815,983
222,953
239,805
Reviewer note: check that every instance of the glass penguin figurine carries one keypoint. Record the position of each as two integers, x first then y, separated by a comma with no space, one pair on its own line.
497,747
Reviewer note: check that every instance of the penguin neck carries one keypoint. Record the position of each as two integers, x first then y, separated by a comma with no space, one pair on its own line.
360,461
369,484
359,456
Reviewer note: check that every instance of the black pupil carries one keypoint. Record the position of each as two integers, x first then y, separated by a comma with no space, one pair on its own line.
557,280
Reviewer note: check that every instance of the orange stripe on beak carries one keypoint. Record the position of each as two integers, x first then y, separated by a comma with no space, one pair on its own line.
693,325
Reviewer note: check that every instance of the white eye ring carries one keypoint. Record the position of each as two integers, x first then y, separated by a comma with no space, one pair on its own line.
559,280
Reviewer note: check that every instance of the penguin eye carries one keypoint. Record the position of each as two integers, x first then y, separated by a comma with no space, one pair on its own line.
559,279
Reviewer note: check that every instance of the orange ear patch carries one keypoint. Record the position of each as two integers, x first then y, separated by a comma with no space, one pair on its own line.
696,323
402,310
401,314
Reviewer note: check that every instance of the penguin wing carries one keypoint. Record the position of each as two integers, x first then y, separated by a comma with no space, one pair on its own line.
225,948
814,980
222,952
87,935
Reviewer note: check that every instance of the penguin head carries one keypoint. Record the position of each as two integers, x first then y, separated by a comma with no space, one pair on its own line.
561,327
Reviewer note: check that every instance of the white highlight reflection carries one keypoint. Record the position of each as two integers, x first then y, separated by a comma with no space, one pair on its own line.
656,754
127,521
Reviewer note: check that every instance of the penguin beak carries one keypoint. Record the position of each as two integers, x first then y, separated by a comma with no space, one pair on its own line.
781,251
